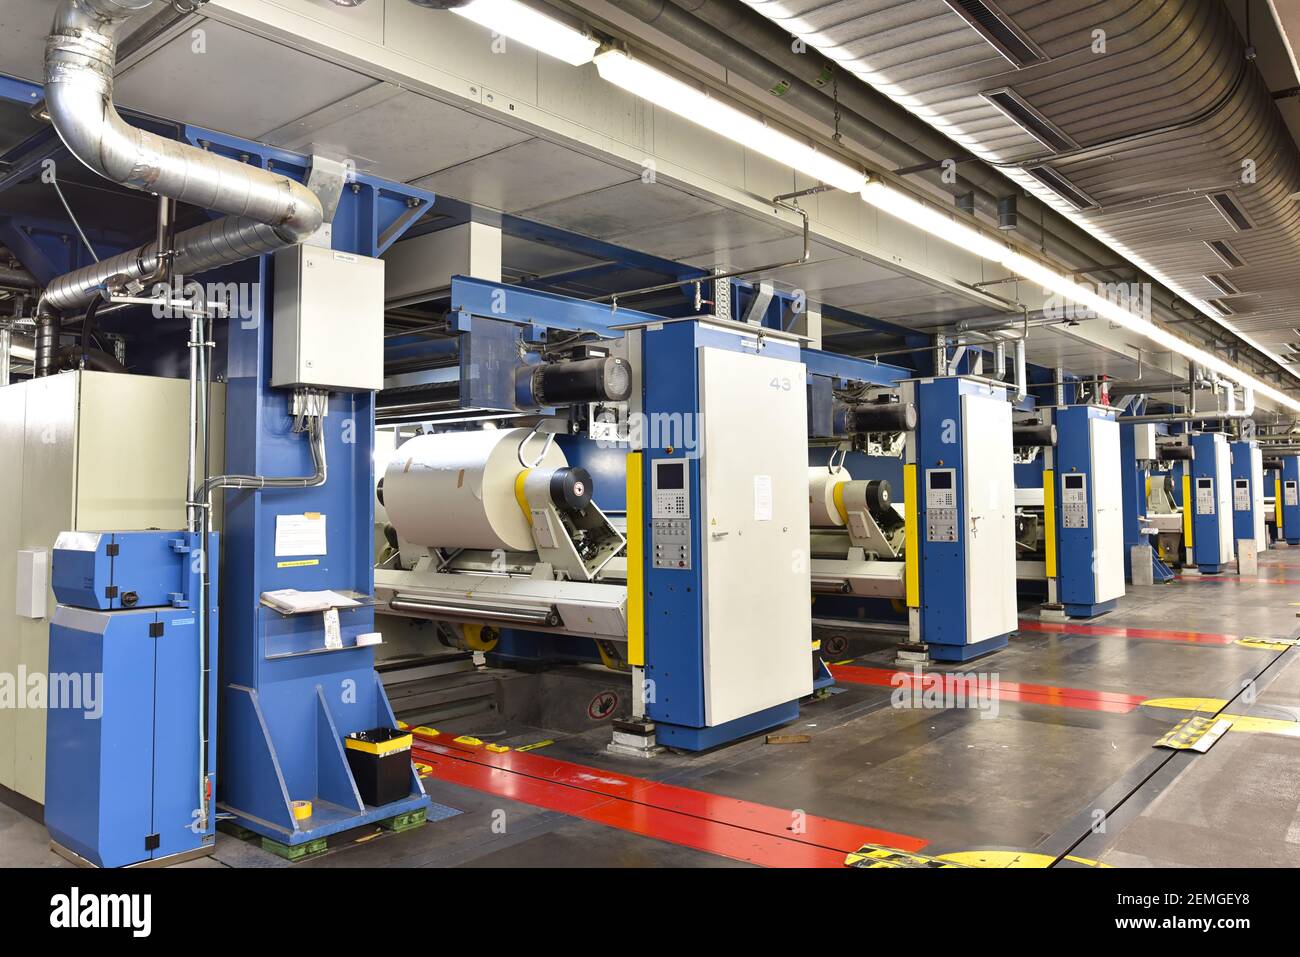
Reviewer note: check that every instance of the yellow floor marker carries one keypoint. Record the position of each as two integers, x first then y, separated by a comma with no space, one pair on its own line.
876,855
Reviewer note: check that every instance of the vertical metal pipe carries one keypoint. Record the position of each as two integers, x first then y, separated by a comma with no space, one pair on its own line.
1060,385
1000,359
6,346
940,354
47,345
1022,371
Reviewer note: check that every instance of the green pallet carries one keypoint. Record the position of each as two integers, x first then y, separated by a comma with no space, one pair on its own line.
296,852
405,822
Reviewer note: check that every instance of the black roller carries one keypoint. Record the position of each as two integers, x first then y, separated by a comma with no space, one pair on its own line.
571,488
604,379
882,417
1271,465
379,491
1033,434
879,496
1171,453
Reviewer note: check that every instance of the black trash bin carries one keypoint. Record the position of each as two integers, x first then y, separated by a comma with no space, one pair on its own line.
380,759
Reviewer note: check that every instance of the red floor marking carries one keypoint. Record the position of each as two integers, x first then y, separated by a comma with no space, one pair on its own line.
1238,579
730,827
1105,631
1112,702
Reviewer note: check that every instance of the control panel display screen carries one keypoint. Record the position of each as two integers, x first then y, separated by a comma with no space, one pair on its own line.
672,476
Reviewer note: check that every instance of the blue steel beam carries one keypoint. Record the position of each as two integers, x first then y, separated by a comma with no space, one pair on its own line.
491,300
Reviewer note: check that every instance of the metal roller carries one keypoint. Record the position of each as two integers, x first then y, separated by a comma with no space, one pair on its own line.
1032,434
1178,453
603,379
882,417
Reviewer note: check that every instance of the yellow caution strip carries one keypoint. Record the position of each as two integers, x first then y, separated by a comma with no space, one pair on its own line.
535,745
635,563
1187,511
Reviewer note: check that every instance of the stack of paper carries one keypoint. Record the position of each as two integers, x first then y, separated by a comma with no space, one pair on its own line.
290,601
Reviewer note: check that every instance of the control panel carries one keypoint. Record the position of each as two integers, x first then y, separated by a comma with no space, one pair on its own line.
941,505
1289,494
1074,500
1241,495
670,515
1205,496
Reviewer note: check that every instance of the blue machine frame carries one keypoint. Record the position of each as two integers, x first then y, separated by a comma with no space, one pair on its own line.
1289,507
288,700
1207,544
1076,548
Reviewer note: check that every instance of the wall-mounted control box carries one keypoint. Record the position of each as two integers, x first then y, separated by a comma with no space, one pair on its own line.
328,330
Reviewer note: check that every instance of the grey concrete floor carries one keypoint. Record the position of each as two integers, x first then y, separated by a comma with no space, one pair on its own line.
1029,778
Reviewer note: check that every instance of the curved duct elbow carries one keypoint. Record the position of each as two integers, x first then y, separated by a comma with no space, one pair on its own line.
79,59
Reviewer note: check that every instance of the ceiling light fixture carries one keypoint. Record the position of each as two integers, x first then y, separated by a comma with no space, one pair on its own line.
904,207
700,107
523,24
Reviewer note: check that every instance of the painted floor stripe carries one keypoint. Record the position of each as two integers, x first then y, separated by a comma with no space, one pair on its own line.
1108,631
730,827
1238,579
1112,702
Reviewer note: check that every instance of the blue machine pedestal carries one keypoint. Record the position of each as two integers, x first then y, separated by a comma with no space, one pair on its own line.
1211,569
701,739
1090,611
967,652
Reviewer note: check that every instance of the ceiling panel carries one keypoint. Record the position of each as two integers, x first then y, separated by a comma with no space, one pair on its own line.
263,85
396,133
532,173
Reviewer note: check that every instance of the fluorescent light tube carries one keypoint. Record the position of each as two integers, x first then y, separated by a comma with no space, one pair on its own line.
532,28
936,224
713,114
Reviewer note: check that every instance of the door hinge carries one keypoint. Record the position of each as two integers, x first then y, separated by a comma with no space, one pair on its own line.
110,591
152,842
156,629
113,550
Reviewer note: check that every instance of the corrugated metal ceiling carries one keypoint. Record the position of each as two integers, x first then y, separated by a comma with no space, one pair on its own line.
1158,96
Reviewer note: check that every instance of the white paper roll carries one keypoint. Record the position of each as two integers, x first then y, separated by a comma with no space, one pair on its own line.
457,489
822,512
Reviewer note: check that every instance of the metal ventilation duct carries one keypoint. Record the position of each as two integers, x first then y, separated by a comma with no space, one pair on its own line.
1180,145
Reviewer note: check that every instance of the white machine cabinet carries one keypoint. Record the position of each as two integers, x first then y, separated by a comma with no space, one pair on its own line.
754,502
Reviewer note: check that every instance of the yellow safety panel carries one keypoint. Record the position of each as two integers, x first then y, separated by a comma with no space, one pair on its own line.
635,563
1049,519
911,538
1187,511
1277,505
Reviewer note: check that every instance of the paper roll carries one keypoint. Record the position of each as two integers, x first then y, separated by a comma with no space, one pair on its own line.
457,489
822,510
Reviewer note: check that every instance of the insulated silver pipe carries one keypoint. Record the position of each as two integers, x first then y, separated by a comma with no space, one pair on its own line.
268,210
6,346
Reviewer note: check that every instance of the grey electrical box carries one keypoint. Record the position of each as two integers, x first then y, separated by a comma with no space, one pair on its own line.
329,320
